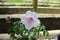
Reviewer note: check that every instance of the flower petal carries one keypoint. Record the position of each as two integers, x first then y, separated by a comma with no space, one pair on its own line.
24,20
28,13
28,26
34,14
36,23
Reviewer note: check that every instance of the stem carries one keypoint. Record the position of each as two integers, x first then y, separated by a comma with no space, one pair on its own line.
29,37
37,33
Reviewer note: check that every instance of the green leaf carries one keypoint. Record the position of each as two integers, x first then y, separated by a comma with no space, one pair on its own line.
43,27
45,33
12,35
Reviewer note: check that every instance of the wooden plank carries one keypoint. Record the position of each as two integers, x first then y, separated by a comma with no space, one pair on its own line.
20,15
52,33
29,7
11,3
40,3
4,37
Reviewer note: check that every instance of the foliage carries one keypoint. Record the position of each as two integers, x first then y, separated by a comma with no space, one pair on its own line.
18,30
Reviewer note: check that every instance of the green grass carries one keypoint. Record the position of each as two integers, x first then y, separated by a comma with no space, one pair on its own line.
15,1
48,0
22,1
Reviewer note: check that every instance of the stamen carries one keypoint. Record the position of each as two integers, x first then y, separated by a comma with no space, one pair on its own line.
30,19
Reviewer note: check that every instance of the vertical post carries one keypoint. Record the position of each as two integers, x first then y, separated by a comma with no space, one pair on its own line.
35,5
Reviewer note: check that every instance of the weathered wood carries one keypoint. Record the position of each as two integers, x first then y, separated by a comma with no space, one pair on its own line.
35,5
20,15
23,9
52,33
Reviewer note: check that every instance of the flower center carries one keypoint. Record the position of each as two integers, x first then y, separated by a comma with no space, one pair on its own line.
30,19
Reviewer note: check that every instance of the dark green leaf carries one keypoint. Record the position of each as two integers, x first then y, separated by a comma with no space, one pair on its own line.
43,27
45,33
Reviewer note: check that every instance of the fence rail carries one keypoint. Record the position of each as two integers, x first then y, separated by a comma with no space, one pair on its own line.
40,15
39,3
52,33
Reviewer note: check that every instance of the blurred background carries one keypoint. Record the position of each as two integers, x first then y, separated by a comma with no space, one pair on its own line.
46,7
11,10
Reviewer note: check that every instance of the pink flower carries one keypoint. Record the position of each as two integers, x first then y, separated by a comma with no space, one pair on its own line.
30,20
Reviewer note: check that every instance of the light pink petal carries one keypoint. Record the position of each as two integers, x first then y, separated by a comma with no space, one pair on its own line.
36,23
24,20
28,26
28,13
33,14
